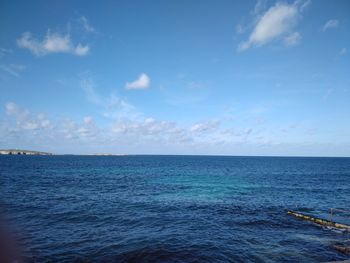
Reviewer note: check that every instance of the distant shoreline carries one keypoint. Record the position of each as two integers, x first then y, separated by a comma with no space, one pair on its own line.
22,152
30,152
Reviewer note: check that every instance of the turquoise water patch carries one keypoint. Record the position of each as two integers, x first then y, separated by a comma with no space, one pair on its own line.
198,188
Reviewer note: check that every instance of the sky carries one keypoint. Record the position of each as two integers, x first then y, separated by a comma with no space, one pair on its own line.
176,77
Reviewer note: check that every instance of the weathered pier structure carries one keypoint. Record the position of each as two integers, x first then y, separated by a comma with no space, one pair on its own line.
319,221
343,247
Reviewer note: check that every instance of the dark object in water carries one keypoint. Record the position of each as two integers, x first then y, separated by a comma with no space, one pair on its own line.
342,248
320,221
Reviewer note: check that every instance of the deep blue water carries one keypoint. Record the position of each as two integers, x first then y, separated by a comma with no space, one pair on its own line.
173,208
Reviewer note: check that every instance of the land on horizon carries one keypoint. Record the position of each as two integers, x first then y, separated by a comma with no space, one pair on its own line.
22,152
32,152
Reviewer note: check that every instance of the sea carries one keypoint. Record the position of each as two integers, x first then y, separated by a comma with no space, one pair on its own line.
146,208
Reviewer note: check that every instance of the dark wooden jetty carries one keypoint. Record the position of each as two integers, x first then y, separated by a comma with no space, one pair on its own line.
343,248
319,221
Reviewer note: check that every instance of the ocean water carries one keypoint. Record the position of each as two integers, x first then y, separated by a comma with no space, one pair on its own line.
173,208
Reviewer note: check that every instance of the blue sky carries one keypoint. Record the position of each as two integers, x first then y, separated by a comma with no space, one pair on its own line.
176,77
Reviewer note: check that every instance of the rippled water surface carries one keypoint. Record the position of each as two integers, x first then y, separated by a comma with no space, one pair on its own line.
173,208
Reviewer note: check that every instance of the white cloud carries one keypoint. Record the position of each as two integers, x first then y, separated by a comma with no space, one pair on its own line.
88,128
123,131
206,126
142,82
22,129
276,22
52,43
292,39
148,126
333,23
86,25
44,122
55,42
38,128
24,120
151,130
81,50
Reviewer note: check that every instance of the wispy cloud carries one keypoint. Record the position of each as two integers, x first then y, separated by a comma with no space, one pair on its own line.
54,42
143,82
86,25
276,22
4,51
240,29
302,4
13,69
150,127
88,128
330,24
24,120
121,132
112,105
292,39
259,7
206,126
142,135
